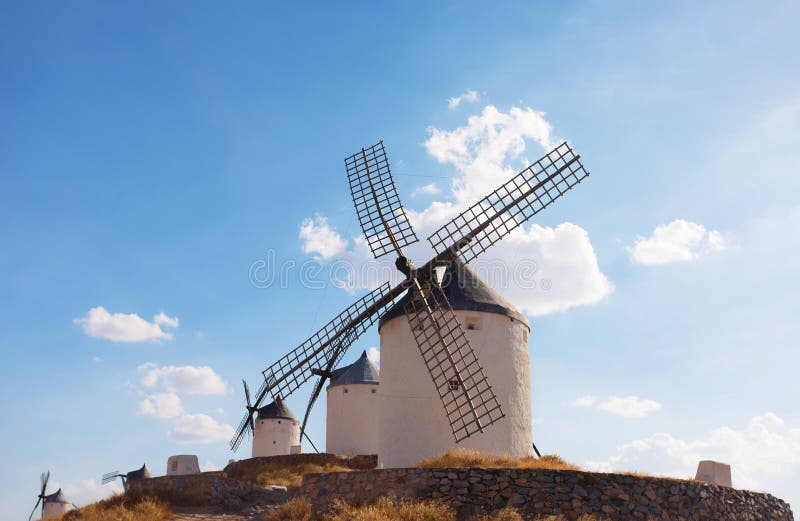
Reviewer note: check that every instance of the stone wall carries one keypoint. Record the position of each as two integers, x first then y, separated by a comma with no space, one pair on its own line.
209,489
542,492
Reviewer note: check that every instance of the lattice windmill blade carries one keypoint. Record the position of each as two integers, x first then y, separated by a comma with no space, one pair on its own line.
380,212
469,401
513,203
324,375
294,369
39,500
108,477
44,478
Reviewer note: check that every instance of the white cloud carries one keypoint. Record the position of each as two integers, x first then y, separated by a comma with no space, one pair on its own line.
182,379
584,401
374,355
209,466
318,237
481,150
161,405
85,491
163,320
199,428
764,450
628,406
678,241
470,97
428,189
125,327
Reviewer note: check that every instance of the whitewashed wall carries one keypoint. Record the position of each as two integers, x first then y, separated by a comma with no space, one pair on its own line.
55,509
352,419
275,437
412,424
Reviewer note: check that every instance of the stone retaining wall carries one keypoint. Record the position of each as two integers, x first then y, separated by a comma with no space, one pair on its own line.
209,489
536,492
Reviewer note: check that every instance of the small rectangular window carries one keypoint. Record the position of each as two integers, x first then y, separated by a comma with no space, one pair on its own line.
345,390
174,466
473,323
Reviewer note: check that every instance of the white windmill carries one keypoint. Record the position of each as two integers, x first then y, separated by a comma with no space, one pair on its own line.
433,391
53,504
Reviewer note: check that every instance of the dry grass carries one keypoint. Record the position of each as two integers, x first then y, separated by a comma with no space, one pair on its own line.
385,509
289,475
470,458
120,508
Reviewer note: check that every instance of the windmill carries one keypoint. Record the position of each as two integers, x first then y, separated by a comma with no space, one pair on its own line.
134,475
52,504
467,398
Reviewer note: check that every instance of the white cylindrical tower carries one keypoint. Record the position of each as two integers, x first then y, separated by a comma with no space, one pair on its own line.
277,430
352,416
56,504
412,424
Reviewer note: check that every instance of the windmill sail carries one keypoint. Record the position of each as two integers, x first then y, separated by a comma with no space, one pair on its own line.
295,368
486,222
468,399
380,212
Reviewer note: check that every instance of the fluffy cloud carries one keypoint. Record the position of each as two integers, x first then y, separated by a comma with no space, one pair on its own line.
319,238
182,379
125,327
85,491
584,401
540,269
199,428
764,450
628,406
470,97
678,241
428,189
625,406
489,149
161,405
374,355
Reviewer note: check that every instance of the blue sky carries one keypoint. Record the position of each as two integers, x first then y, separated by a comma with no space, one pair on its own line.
150,154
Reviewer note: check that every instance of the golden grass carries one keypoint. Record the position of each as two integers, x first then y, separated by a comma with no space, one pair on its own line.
120,508
289,475
297,509
470,458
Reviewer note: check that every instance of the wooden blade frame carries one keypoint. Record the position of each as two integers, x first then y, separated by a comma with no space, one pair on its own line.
516,201
469,401
380,212
295,368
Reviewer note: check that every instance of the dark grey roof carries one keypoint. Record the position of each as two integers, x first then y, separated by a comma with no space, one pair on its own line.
56,497
362,371
466,291
276,409
136,475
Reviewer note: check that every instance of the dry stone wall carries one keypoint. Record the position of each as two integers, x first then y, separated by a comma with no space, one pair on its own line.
542,492
209,489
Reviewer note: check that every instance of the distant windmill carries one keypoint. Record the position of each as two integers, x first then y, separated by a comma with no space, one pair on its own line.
134,475
469,403
53,504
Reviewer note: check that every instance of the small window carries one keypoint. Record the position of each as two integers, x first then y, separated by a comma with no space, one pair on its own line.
373,391
175,466
279,421
345,390
453,385
473,323
273,442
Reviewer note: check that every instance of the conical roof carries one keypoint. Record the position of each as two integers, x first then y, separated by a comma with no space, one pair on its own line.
465,291
56,497
362,371
136,475
276,410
